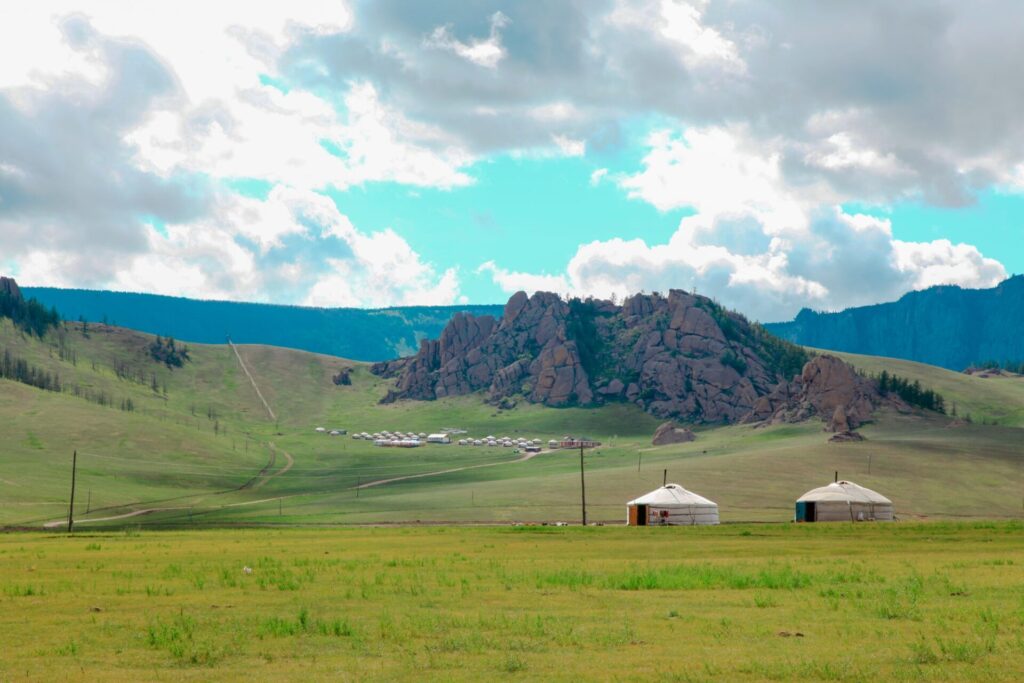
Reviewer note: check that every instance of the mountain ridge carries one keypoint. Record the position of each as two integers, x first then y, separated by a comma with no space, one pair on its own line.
947,326
367,335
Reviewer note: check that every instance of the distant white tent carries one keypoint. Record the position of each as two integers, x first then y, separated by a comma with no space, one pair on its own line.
843,501
671,504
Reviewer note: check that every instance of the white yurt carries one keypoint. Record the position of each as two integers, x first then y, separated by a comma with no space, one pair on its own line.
843,501
671,504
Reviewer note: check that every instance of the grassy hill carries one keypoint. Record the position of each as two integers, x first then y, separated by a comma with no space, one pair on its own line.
993,400
207,452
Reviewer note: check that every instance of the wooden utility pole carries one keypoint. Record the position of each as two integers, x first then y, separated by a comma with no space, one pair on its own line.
639,458
71,504
583,488
664,477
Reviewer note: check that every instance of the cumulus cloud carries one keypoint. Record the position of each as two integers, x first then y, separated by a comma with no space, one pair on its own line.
112,148
293,246
118,124
755,242
888,100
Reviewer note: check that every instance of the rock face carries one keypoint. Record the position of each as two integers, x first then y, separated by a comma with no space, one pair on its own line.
343,378
680,356
944,325
828,388
9,287
668,433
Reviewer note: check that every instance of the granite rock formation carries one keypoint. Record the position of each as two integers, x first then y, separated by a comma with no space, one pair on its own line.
827,388
678,356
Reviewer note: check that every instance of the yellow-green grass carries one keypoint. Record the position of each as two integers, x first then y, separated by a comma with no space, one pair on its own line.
167,453
997,400
927,468
904,601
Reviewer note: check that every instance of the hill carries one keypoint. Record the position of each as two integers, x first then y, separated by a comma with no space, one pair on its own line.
197,445
680,356
360,334
950,327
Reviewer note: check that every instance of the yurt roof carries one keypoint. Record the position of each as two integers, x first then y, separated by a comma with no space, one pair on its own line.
844,491
671,494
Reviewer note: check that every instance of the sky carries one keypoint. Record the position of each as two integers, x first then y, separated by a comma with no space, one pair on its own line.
773,156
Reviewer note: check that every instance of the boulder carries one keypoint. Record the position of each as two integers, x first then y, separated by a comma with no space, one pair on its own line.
343,377
846,437
668,433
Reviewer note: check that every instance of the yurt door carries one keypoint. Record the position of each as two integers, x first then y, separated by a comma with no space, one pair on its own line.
805,511
641,515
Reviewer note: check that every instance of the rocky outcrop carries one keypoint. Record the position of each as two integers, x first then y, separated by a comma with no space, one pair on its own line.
343,378
10,288
678,356
846,437
827,388
668,433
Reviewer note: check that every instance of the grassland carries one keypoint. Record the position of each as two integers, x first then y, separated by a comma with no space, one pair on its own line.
993,400
910,601
205,451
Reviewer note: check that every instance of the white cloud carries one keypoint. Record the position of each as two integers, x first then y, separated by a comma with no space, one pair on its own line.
941,262
511,281
756,243
569,147
597,176
238,253
681,23
482,52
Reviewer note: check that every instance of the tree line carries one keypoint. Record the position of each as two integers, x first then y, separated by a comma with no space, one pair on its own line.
911,392
20,370
29,316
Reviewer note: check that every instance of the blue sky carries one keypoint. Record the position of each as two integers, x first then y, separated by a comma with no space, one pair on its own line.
773,156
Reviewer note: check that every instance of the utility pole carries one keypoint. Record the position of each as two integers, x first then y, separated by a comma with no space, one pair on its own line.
639,458
71,505
664,477
583,487
88,504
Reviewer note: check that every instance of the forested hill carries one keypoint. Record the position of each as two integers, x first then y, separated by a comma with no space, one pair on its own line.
358,334
945,326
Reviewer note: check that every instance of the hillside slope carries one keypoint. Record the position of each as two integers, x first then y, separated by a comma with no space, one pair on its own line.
945,326
360,334
187,456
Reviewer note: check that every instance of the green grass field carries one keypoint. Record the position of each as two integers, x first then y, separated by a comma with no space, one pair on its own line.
906,601
206,451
